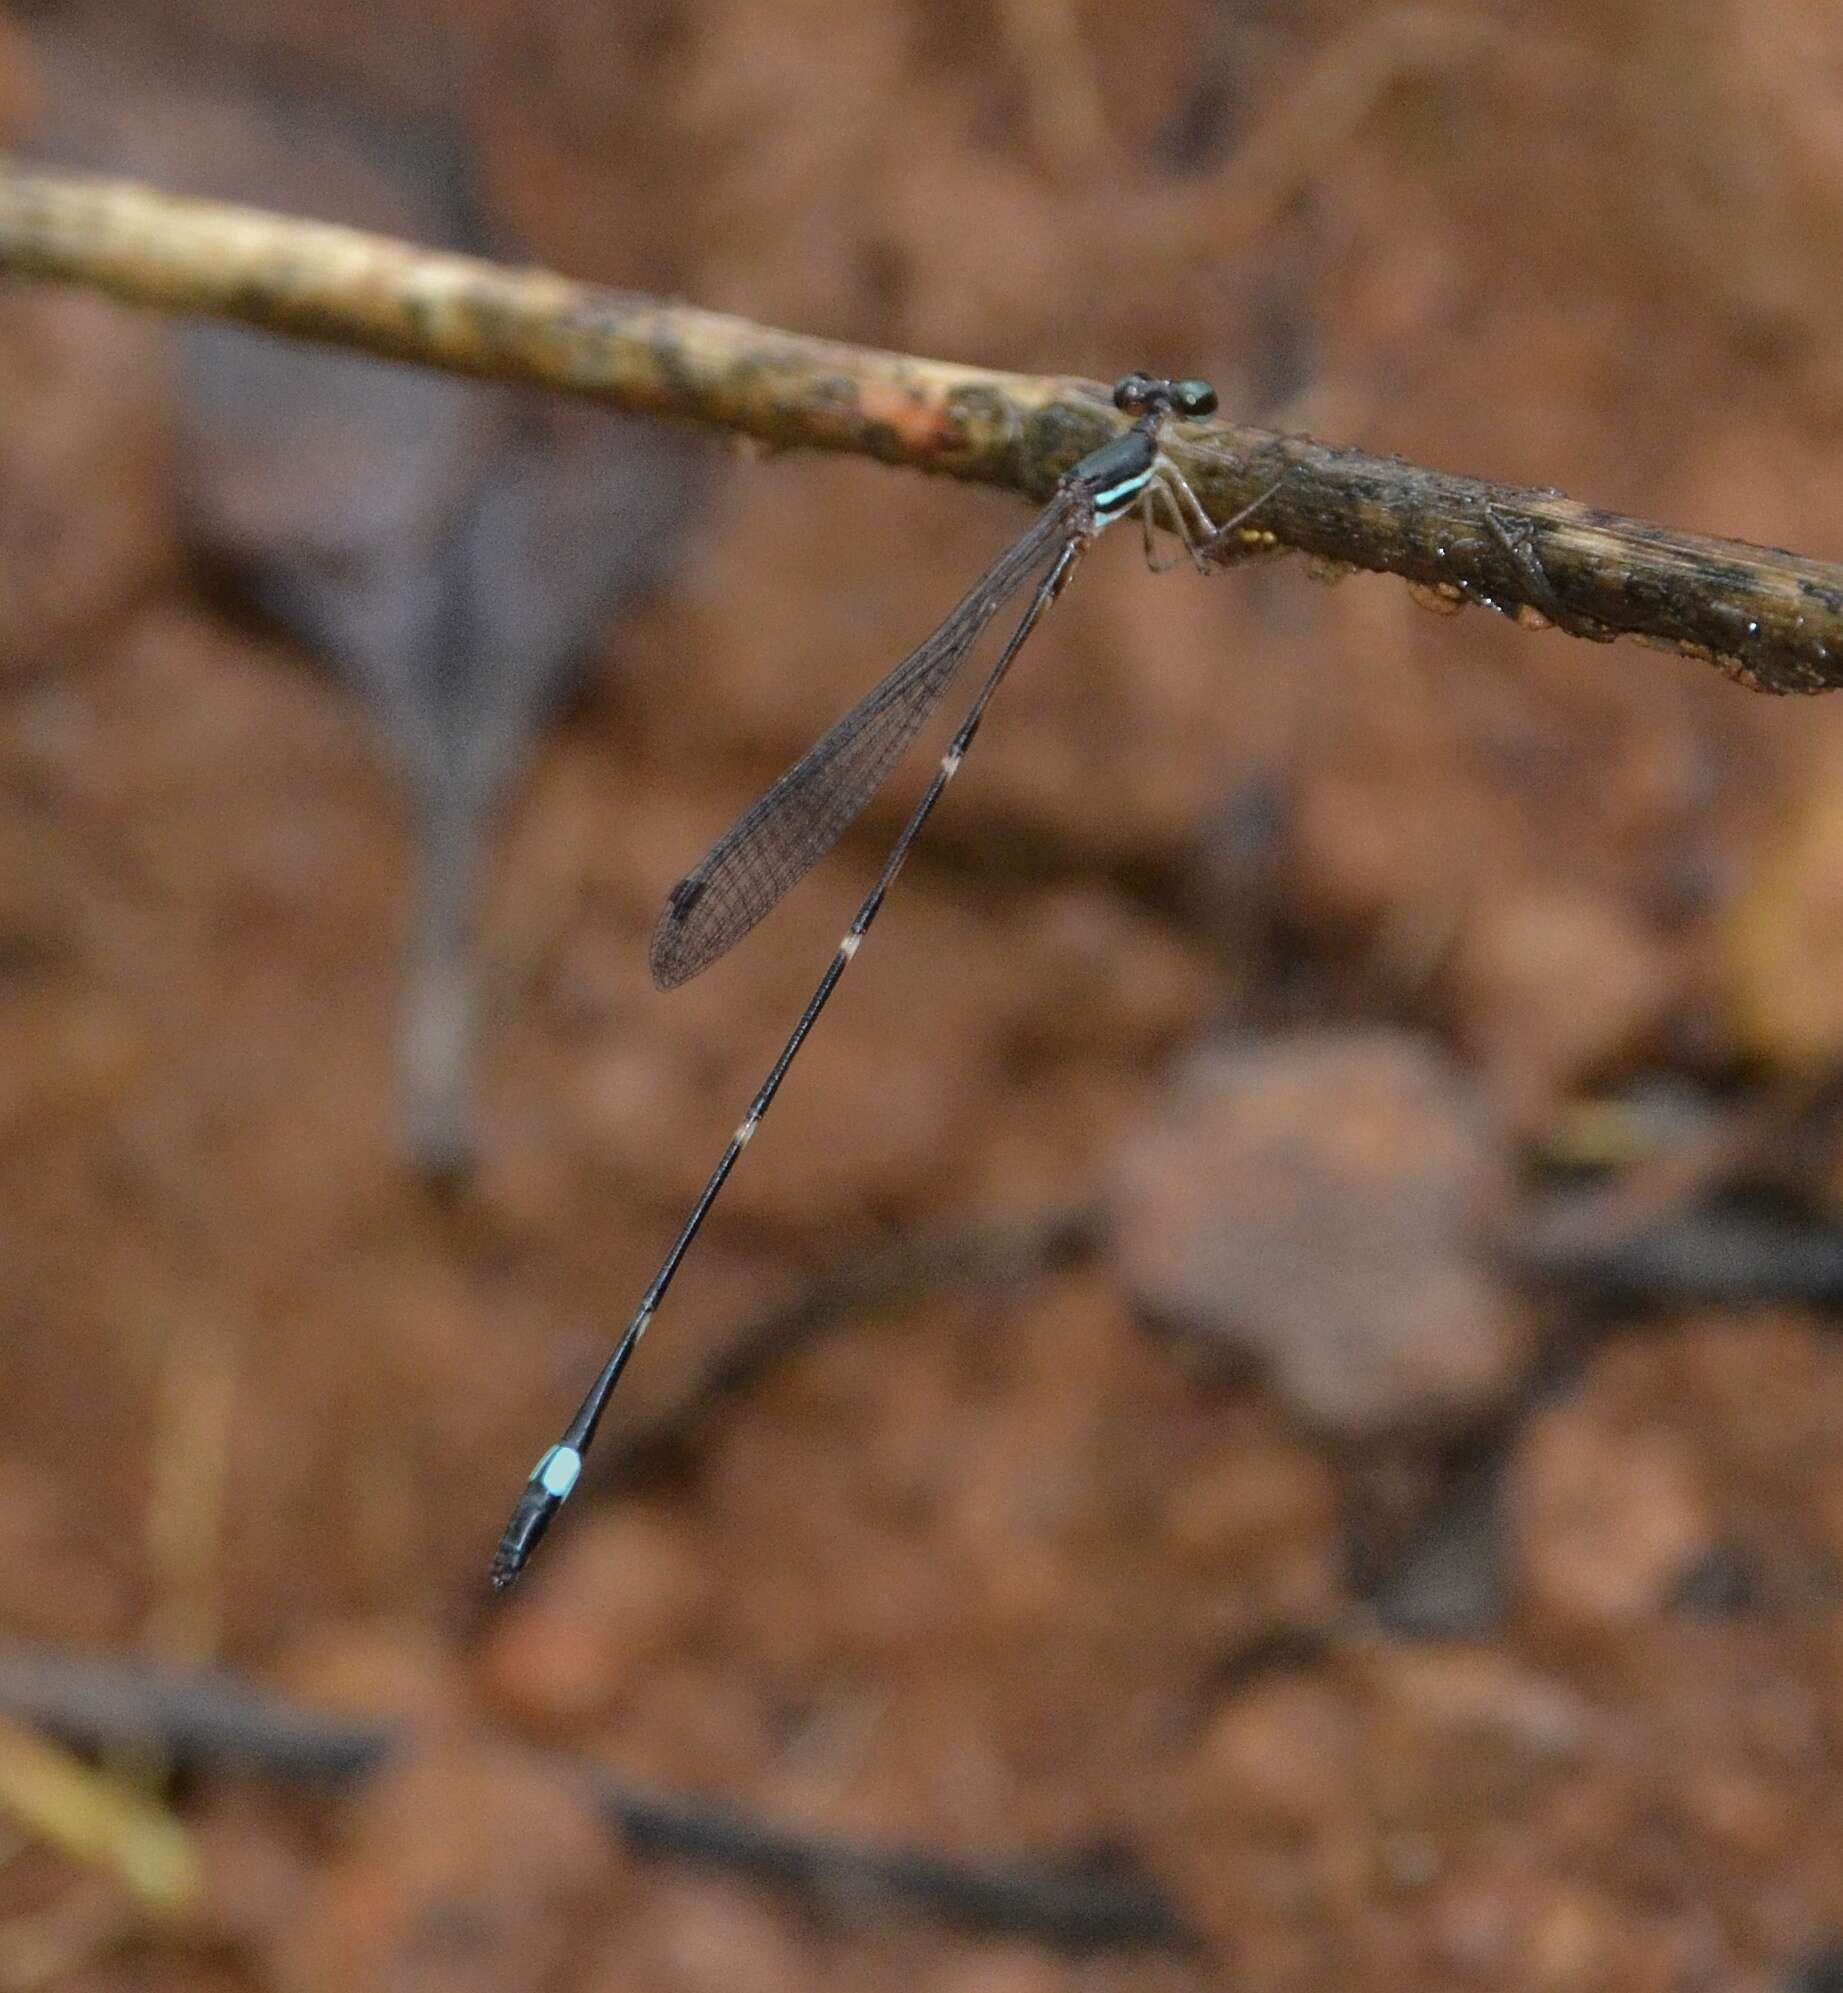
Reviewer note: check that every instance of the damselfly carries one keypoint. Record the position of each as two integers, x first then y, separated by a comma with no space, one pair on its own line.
780,840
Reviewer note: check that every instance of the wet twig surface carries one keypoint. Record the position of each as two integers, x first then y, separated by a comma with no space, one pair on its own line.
1772,620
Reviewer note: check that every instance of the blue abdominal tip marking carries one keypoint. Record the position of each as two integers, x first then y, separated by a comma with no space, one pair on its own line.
556,1473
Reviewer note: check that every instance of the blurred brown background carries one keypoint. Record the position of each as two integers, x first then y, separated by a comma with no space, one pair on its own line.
1406,1619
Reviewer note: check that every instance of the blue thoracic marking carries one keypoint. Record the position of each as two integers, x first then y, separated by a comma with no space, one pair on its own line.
1116,473
1110,503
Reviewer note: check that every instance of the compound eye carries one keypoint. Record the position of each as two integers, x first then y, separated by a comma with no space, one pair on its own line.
1132,392
1194,398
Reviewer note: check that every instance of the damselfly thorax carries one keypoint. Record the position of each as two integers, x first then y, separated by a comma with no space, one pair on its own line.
1132,473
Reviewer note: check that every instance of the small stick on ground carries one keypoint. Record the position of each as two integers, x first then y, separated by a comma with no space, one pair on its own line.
214,1720
1587,1226
900,1277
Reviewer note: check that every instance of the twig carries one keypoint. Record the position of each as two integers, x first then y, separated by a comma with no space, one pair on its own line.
194,1427
211,1719
1062,99
101,1821
1310,127
1720,1255
906,1273
1587,1227
1771,620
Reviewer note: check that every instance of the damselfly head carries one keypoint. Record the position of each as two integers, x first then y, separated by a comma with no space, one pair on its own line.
1146,394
